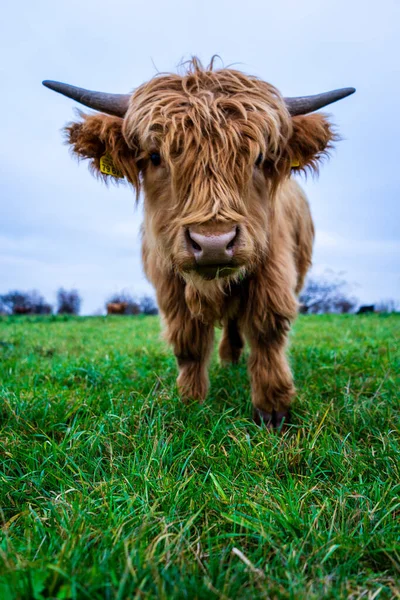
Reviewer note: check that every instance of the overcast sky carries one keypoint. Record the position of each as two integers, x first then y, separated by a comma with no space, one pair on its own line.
61,227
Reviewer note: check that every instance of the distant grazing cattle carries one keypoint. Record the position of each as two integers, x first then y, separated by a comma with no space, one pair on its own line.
303,309
367,308
227,235
116,308
22,310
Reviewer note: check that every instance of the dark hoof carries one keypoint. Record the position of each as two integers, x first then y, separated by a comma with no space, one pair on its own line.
275,420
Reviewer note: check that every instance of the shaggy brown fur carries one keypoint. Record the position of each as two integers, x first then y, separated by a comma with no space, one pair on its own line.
209,126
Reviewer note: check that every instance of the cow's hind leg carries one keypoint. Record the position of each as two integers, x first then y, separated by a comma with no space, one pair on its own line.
232,343
271,378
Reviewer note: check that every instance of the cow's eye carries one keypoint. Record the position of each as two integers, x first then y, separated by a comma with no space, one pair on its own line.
155,159
259,160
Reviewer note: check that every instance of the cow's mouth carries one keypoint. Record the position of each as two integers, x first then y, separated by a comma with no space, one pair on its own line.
215,271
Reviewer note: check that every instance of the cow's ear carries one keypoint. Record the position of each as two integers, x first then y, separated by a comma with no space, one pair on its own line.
312,138
99,139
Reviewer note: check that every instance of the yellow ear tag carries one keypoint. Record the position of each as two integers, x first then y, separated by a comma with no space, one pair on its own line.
295,163
108,168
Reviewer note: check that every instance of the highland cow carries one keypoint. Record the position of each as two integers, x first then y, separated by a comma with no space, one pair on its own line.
227,233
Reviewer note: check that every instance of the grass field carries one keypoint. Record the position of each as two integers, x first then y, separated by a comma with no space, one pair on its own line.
111,488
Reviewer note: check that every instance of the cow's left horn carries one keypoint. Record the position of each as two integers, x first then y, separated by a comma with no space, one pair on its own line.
112,104
307,104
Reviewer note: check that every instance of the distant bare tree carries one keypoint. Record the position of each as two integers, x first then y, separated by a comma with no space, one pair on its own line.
68,302
343,305
24,303
12,300
148,306
133,308
388,305
39,306
326,294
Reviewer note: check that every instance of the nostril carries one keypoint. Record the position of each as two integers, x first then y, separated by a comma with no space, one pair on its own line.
233,241
194,245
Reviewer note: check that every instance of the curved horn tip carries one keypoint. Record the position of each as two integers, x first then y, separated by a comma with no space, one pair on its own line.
349,91
55,86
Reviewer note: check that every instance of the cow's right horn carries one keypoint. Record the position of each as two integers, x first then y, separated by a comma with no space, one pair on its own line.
112,104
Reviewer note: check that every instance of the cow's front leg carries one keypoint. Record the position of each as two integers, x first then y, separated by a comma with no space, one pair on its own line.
271,378
192,341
